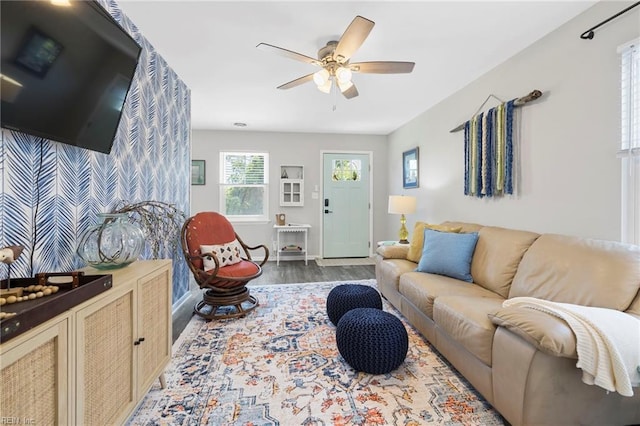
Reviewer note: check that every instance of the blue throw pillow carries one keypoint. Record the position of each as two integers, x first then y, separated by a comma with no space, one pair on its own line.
448,253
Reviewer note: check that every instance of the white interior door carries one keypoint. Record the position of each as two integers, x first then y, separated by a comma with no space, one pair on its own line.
346,205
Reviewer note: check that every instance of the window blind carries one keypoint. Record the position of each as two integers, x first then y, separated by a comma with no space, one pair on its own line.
244,168
630,91
630,140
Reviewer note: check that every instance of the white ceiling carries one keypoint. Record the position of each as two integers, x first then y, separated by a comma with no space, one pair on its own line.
212,47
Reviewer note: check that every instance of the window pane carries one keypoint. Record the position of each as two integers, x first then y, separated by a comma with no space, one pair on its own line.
243,185
630,91
244,200
343,170
631,199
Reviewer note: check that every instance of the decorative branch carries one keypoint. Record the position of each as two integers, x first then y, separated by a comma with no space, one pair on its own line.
161,223
518,102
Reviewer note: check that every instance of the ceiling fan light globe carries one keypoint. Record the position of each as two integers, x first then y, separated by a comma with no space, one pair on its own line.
343,75
326,87
321,77
344,86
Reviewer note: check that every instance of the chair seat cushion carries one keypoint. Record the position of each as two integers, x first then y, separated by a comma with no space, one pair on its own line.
244,268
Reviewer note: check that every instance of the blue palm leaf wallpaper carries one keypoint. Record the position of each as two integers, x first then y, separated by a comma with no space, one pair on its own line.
52,192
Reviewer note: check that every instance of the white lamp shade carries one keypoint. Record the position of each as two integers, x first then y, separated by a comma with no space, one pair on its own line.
321,77
402,204
344,86
343,75
326,87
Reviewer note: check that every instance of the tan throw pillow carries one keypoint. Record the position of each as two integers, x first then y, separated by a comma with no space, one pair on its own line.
227,254
417,239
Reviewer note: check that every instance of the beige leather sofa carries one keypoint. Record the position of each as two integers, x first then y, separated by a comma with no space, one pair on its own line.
522,361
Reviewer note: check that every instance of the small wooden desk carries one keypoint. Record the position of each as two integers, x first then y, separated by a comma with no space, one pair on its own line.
292,228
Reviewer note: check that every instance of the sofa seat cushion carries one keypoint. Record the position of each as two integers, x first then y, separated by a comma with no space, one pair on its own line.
466,320
421,289
547,333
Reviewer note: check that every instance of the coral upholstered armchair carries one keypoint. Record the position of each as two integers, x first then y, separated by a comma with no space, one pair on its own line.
221,264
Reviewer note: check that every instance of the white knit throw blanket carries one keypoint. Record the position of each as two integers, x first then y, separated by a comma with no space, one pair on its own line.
607,342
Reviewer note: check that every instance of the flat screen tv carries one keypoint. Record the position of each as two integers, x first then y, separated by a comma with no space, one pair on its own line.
65,71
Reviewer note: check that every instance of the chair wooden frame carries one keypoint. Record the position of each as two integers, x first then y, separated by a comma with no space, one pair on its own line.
224,296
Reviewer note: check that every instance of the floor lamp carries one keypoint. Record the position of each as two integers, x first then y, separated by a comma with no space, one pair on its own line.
402,204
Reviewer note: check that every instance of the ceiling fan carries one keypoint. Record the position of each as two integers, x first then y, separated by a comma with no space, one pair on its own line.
334,60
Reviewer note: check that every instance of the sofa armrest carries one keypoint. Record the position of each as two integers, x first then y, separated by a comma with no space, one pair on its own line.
393,252
547,333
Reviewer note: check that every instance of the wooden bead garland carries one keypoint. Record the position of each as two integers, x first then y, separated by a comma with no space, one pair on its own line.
35,291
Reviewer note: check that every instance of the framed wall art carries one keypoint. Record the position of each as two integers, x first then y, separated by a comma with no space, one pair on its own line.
198,176
410,168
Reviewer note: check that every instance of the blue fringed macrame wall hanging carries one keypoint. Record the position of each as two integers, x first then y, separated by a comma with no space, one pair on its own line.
489,148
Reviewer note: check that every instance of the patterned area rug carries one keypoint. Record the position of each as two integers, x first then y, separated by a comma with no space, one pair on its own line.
279,365
350,261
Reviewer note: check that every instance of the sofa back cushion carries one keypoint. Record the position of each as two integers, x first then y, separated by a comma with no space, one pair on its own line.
497,255
634,308
582,271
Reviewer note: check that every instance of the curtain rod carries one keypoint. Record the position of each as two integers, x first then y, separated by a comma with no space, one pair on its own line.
589,34
518,102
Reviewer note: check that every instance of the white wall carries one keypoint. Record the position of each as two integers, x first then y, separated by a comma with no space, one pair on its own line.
569,171
290,149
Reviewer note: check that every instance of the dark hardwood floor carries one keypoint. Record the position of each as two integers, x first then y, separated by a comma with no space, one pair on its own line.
295,271
288,272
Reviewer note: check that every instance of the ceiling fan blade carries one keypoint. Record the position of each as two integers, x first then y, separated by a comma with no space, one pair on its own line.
351,92
353,37
382,67
288,53
296,82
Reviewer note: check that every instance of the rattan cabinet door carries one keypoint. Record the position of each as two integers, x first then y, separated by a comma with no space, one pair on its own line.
154,327
105,392
34,376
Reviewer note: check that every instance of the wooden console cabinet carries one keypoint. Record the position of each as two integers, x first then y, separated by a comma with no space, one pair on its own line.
92,364
34,375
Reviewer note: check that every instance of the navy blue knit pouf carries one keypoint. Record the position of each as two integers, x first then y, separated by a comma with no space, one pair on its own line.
372,340
343,298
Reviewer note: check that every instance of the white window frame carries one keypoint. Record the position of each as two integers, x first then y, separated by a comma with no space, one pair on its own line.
223,185
629,152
